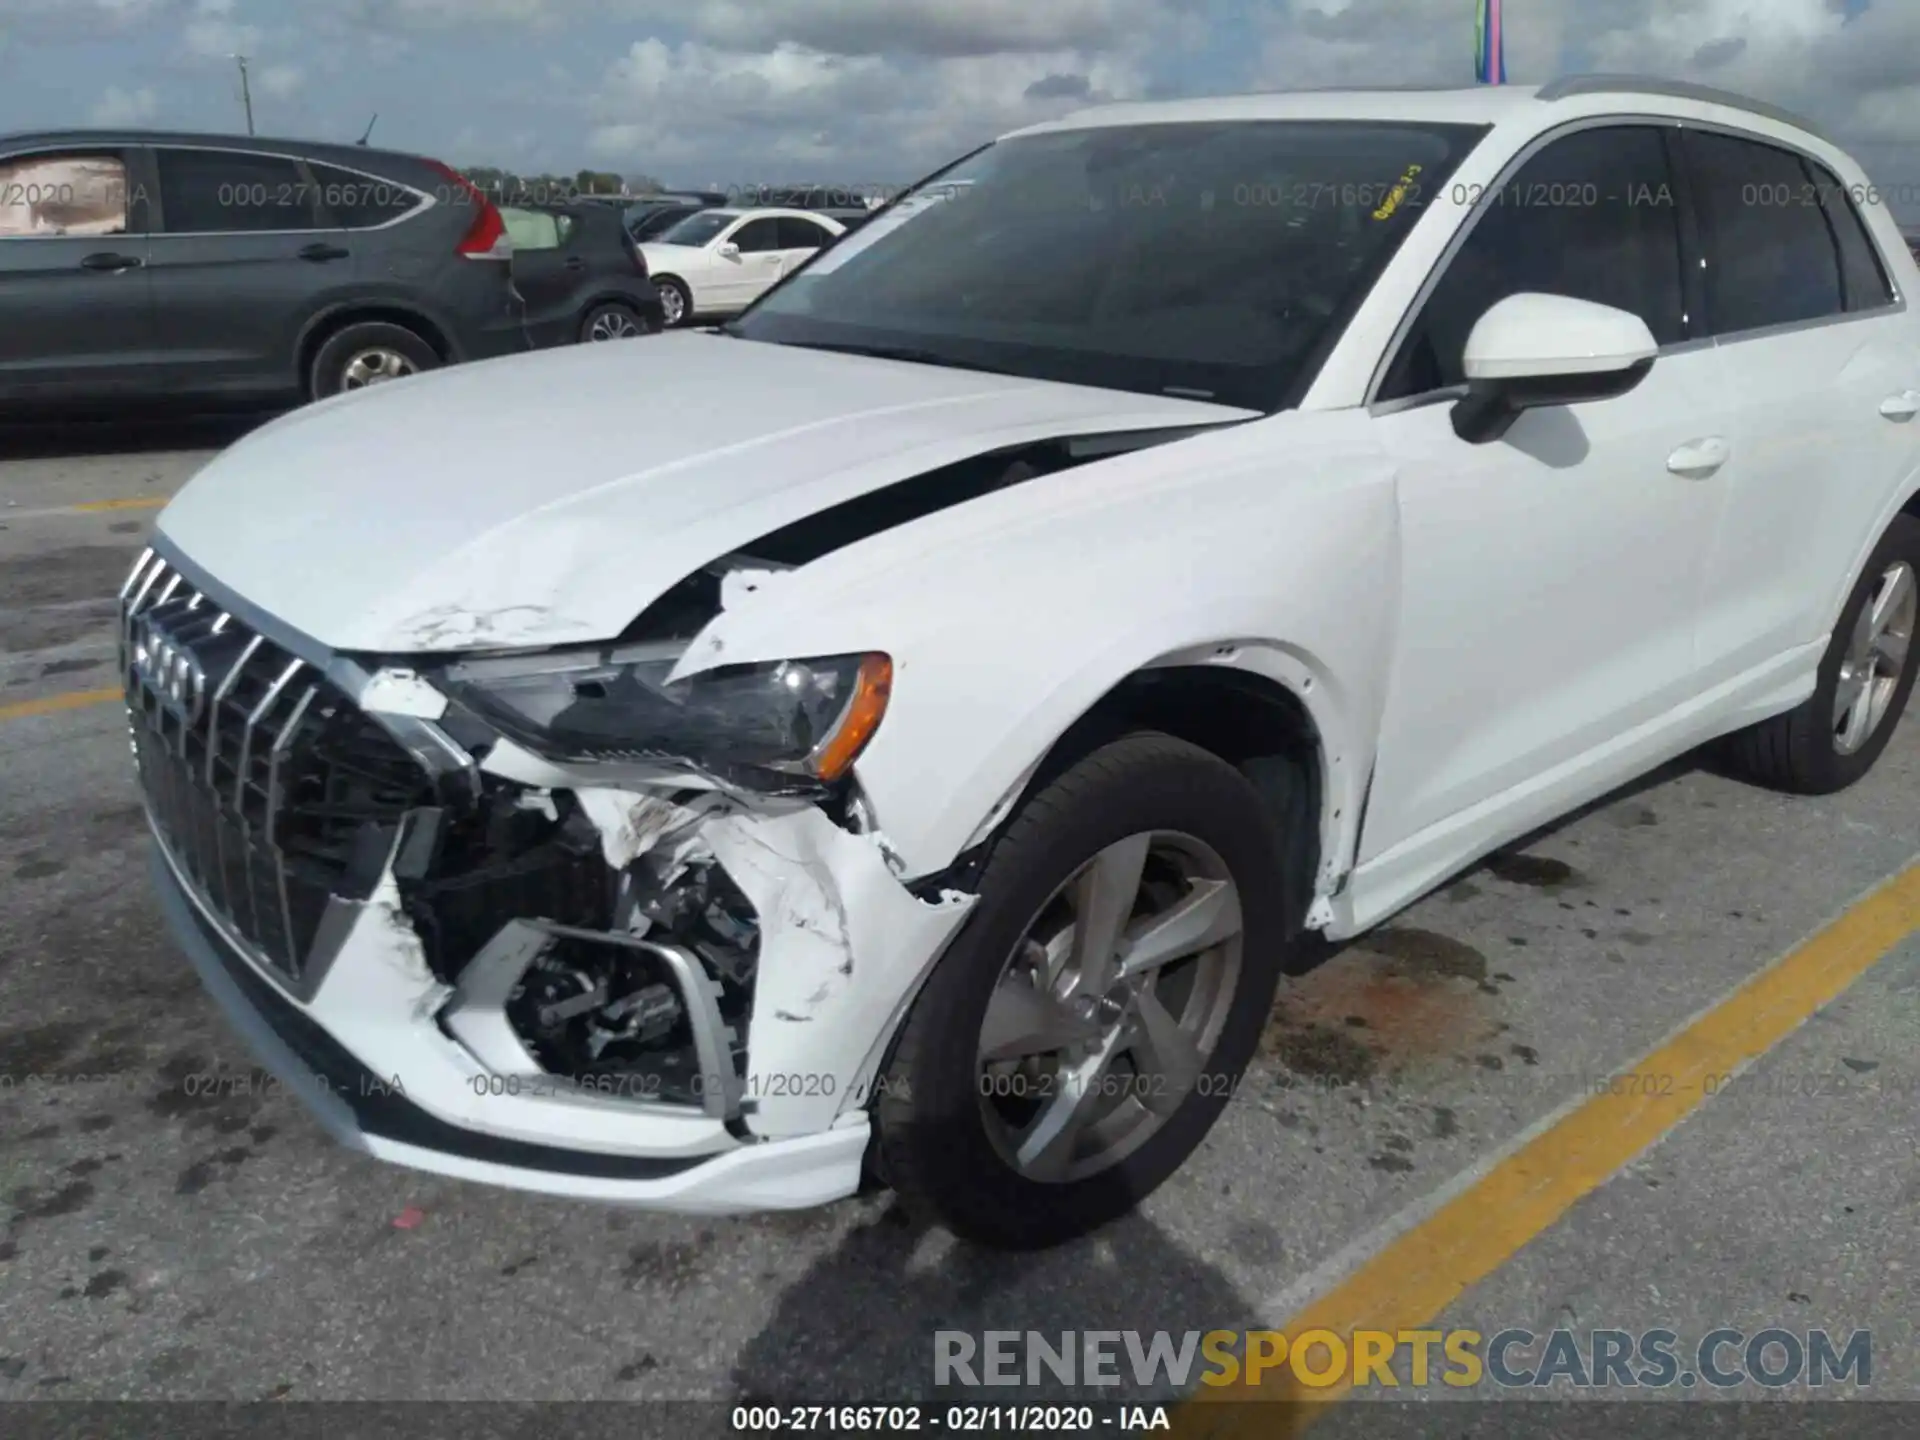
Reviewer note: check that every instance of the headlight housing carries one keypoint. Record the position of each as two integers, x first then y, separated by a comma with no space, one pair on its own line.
775,725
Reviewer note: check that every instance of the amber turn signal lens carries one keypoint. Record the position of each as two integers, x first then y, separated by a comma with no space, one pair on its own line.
872,686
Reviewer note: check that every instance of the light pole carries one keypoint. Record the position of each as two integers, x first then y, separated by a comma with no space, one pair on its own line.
246,92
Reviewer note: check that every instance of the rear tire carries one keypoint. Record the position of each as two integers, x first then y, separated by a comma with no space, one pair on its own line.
961,1149
676,302
1865,680
368,353
613,322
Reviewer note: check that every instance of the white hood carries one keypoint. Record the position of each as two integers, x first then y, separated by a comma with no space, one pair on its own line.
550,498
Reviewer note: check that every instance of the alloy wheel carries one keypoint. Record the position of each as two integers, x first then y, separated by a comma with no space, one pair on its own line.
1107,1011
613,325
1876,659
375,367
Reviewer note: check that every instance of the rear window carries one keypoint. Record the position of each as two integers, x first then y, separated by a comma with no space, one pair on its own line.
361,202
536,229
63,195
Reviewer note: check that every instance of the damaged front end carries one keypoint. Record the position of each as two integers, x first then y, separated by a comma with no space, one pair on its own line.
507,886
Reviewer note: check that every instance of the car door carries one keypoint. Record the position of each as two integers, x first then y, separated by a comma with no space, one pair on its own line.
1824,381
1549,579
740,279
76,313
241,258
800,240
548,274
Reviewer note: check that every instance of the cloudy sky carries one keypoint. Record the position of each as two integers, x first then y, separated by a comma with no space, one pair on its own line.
877,91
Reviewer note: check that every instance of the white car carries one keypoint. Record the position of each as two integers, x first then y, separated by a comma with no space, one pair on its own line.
718,262
1182,527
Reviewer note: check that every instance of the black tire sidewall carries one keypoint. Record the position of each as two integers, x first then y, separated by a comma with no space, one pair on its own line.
329,363
1836,771
1154,783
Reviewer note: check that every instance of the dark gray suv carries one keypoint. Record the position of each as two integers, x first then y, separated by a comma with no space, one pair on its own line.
139,265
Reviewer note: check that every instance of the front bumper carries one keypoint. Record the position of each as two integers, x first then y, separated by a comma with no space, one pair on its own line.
300,899
691,1166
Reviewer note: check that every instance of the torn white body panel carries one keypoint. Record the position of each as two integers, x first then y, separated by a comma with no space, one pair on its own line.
842,944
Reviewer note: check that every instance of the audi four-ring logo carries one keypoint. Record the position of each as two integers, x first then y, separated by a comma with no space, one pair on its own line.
171,671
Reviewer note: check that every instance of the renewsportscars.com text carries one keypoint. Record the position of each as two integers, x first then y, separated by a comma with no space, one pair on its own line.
1321,1359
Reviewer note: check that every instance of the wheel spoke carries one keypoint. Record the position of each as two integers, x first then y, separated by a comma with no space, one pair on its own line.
1858,717
1892,598
1103,897
1207,916
1167,1057
1891,647
1023,1021
1045,1148
1848,693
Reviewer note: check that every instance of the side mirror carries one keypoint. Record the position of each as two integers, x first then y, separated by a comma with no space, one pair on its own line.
729,251
1532,351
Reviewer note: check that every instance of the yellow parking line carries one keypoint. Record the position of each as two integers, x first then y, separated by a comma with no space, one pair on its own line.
1420,1273
54,704
138,502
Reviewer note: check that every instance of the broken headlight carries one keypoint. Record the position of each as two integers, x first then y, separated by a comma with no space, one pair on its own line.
804,720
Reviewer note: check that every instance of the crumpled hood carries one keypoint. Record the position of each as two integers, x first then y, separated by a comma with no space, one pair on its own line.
549,498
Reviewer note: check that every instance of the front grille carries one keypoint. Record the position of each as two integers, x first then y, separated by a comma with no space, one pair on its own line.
271,789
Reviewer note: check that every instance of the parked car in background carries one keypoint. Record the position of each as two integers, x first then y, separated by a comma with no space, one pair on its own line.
718,262
136,264
580,274
656,214
847,204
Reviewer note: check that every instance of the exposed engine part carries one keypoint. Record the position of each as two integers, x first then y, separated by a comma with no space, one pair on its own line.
608,1016
605,1015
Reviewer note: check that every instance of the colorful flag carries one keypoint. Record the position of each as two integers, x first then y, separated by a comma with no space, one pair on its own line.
1489,45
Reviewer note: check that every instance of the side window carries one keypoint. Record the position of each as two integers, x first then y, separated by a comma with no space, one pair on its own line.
1772,257
50,195
1863,277
360,202
1592,216
233,192
758,235
798,234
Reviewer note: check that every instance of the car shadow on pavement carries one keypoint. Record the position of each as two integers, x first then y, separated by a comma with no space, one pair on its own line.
861,1323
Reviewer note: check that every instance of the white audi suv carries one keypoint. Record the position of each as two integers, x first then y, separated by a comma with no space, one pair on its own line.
908,733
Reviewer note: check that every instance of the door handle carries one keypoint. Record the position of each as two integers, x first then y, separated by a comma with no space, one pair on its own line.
1903,406
322,251
574,262
107,260
1699,458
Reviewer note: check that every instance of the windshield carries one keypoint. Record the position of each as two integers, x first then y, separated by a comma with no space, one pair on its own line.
697,229
1210,260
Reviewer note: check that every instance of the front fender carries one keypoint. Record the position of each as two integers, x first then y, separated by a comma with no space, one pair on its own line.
1010,618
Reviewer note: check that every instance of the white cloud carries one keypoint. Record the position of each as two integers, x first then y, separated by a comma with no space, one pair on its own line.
118,107
279,82
912,27
795,107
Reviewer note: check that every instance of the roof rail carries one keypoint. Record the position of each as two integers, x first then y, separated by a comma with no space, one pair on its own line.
1570,85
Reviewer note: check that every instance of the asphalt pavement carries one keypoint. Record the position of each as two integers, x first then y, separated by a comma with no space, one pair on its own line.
164,1242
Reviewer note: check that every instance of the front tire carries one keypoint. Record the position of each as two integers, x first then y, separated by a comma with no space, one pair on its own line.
676,301
369,353
1865,679
1085,1029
